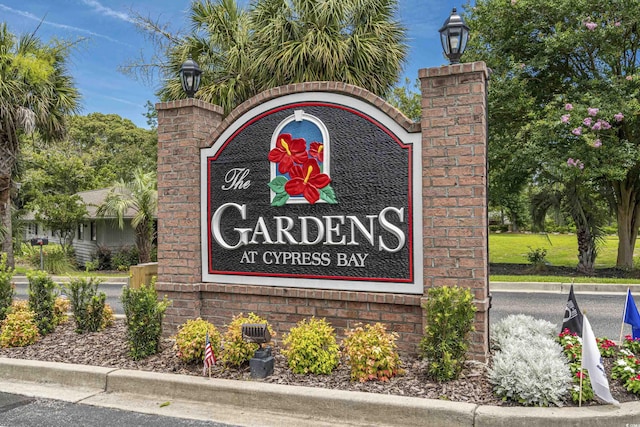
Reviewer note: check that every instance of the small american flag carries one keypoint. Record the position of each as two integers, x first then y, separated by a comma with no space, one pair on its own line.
209,357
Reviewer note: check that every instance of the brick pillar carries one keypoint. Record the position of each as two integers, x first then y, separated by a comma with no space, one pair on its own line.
184,127
454,173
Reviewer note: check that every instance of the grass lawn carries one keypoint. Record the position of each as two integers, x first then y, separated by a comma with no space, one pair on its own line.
562,250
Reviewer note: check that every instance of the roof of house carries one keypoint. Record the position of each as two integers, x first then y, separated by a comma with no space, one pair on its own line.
92,200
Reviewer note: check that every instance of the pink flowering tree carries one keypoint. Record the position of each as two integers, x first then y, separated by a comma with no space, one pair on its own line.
545,54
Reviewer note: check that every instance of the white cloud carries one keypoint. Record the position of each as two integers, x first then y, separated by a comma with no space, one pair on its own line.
108,11
33,17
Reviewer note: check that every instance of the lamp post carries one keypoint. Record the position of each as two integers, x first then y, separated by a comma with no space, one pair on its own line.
454,35
190,77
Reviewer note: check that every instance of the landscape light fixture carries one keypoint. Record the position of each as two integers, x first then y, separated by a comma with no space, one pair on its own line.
454,35
261,364
190,77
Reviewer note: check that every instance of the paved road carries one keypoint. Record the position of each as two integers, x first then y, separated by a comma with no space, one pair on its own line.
604,309
22,411
112,290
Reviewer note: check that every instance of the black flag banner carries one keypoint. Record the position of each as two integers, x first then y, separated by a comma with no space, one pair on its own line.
572,316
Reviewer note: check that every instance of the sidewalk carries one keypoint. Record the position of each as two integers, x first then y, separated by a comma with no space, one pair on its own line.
254,403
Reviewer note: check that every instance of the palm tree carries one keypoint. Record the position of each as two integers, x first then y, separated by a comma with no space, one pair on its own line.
36,93
140,198
278,42
576,199
353,41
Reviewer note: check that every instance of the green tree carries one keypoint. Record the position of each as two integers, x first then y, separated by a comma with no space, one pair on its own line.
113,146
61,214
574,59
138,197
406,100
278,42
36,93
151,115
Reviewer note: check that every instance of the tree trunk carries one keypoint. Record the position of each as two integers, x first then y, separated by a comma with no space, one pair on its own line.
143,242
586,252
5,217
628,217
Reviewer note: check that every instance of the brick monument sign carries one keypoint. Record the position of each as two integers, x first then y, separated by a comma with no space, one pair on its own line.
320,199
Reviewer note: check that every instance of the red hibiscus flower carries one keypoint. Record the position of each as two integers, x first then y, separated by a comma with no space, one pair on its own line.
317,151
288,151
307,180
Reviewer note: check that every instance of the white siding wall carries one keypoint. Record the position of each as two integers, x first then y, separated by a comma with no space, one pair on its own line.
108,234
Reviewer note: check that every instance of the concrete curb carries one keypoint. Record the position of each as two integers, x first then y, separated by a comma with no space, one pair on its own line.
314,405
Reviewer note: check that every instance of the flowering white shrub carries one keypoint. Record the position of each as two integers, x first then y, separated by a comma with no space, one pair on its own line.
529,368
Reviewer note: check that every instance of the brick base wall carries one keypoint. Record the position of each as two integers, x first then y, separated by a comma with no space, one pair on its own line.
284,307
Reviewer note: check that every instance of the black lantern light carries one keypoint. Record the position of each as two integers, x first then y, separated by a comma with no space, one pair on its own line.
453,36
190,77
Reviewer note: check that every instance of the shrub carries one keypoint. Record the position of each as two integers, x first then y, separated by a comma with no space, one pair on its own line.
530,374
103,257
19,305
450,314
144,315
108,317
520,326
19,329
86,303
6,287
91,265
191,339
537,258
56,260
235,351
371,353
124,258
311,347
60,309
42,300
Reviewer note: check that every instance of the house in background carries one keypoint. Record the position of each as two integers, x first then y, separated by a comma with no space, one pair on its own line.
95,231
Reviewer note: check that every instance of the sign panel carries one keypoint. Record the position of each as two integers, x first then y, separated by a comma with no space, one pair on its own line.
315,190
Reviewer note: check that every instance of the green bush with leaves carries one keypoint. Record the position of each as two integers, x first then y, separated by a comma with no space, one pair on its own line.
124,258
372,353
6,287
86,303
19,329
191,339
42,299
449,319
56,260
236,351
311,347
144,315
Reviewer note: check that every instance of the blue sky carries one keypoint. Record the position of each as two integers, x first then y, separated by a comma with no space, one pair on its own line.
112,40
